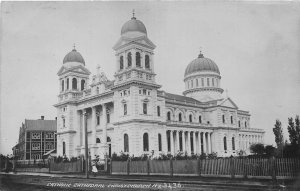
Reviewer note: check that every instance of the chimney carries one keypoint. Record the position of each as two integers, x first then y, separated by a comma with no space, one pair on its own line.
42,117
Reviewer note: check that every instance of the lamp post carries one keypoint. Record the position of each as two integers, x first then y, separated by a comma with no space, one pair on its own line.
85,114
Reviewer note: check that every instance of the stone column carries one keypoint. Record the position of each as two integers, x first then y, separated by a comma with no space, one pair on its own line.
209,143
104,133
93,124
133,62
204,143
194,142
172,142
177,140
143,59
84,115
183,142
189,143
199,141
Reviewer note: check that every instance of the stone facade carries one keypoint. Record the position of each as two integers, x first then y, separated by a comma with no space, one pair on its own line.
131,114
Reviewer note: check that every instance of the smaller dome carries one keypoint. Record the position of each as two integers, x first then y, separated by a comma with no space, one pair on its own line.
201,64
133,25
74,56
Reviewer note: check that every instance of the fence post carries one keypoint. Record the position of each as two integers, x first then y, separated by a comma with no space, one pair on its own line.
273,168
128,167
199,166
148,167
171,166
245,167
232,170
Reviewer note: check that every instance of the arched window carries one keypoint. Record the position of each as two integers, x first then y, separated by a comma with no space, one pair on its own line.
159,142
239,123
145,142
179,117
74,84
225,143
200,119
125,109
231,119
169,116
129,59
98,140
223,118
144,108
158,111
64,122
138,59
147,62
121,63
108,139
245,123
233,144
169,141
82,85
62,85
67,83
108,117
98,119
191,118
126,143
64,148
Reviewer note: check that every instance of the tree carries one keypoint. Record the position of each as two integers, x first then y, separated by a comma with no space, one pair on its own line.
277,130
294,131
270,150
258,149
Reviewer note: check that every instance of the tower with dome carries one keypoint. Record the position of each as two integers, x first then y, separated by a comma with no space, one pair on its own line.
131,114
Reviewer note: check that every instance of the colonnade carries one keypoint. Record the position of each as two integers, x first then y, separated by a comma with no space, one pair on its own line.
246,140
190,142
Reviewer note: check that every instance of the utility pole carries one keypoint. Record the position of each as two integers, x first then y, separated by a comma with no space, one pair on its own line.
86,144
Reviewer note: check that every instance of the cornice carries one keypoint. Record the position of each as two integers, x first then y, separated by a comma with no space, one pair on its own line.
203,89
64,132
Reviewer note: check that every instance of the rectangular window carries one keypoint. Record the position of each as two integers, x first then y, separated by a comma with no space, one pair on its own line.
125,109
108,118
35,136
144,91
144,108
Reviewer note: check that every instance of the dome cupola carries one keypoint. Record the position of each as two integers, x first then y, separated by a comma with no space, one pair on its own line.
74,56
133,26
202,79
201,64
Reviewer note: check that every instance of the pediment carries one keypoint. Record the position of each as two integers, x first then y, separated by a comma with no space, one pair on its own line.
123,41
77,69
228,103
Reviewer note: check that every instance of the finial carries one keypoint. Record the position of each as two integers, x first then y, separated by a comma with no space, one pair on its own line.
200,54
133,14
74,47
98,69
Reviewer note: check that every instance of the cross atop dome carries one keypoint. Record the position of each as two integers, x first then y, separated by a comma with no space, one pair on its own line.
133,17
200,54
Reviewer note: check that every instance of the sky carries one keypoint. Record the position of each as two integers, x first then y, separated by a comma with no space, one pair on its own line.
256,46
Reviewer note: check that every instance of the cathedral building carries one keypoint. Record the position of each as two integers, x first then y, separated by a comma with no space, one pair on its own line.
131,114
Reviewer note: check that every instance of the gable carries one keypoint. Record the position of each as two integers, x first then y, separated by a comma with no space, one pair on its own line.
144,41
77,69
228,103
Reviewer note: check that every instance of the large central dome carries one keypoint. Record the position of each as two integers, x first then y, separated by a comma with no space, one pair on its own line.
133,25
201,64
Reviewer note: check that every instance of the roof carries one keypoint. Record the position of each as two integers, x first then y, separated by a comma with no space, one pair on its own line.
180,98
133,25
40,125
74,56
201,64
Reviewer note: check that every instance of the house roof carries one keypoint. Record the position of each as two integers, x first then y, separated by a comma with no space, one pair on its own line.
180,98
40,125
